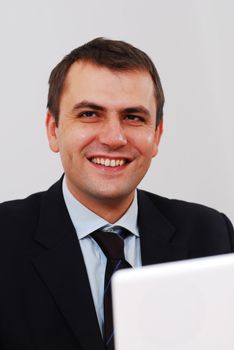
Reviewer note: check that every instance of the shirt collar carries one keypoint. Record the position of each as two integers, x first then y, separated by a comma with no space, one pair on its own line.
86,221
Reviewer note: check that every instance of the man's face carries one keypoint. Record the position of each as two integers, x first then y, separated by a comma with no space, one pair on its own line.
106,133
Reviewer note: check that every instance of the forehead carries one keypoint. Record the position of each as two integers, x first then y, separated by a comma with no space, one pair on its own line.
85,80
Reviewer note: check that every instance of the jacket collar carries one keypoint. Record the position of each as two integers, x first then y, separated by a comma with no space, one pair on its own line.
62,268
159,242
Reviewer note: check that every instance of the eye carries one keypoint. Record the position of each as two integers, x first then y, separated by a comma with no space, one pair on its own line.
134,118
88,114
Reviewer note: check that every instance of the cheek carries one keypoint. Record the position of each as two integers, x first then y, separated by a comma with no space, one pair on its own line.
74,139
81,135
144,141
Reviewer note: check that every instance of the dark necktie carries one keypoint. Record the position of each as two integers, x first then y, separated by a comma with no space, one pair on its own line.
112,244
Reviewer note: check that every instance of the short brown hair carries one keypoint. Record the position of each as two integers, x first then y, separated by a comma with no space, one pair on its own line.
113,54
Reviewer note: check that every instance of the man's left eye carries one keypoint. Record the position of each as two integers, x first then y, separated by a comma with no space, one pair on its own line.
133,117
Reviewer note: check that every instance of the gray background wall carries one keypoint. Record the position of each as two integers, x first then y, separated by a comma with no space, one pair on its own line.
192,44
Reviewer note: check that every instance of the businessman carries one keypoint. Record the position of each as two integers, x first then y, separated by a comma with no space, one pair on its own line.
105,118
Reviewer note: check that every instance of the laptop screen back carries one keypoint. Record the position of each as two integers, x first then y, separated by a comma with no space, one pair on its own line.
187,305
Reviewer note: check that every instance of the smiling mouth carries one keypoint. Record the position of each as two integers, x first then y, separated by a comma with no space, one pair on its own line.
108,162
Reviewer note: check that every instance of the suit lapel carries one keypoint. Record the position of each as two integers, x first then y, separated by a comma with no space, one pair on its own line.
61,265
62,268
158,236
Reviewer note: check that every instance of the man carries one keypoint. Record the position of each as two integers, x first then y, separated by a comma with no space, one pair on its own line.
105,108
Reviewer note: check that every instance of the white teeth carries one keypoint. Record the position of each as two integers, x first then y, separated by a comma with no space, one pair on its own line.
112,163
108,162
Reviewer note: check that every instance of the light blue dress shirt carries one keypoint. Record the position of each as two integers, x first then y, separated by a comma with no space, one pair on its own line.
85,222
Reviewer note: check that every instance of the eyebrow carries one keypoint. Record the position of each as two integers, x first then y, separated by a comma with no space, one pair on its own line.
137,109
87,104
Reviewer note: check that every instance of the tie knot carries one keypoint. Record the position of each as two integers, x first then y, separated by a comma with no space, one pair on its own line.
111,241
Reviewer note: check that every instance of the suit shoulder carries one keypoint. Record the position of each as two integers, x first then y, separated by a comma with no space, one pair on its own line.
175,209
17,211
206,231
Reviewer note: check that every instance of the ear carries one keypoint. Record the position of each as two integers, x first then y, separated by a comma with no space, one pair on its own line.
157,137
51,129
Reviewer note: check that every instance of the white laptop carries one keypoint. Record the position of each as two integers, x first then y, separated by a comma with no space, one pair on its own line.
187,305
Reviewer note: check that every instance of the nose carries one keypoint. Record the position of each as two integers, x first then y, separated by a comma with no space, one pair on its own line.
112,134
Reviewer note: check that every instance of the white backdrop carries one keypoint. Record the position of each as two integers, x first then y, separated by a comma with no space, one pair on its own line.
192,44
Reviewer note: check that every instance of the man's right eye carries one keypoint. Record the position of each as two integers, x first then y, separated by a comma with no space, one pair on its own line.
88,114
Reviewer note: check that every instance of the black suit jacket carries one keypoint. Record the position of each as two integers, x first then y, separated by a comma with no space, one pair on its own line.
45,297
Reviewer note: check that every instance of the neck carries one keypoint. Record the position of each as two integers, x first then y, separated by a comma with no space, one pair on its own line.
110,209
